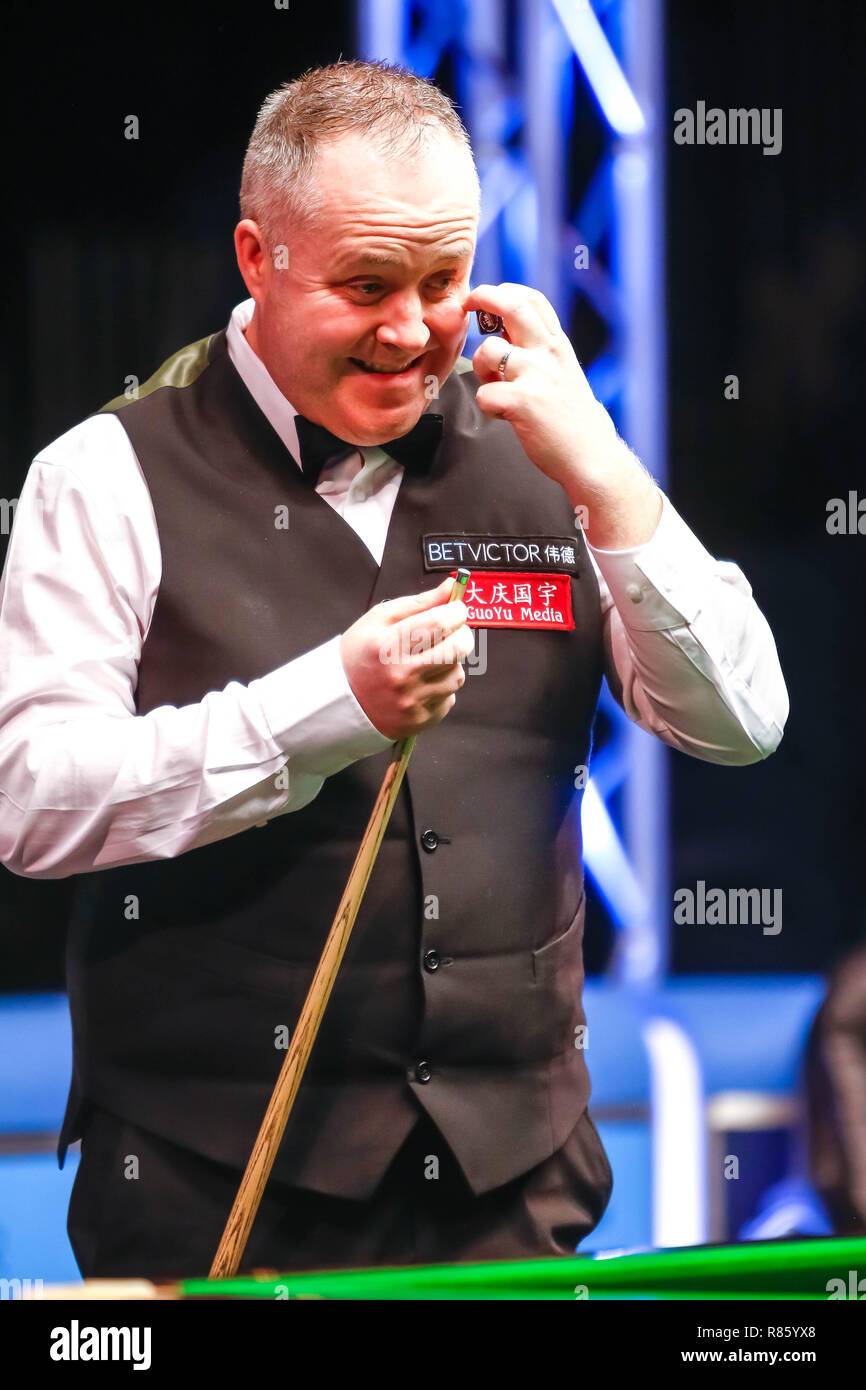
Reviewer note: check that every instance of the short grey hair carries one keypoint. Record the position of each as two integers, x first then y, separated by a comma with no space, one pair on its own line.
398,109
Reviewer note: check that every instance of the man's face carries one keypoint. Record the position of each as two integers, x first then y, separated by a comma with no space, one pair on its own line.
339,303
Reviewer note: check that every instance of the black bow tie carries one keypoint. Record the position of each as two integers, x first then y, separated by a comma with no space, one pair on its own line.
413,450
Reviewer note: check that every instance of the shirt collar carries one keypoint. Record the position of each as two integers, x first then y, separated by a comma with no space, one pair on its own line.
277,410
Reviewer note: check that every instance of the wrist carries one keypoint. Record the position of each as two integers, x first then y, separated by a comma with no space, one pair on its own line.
621,501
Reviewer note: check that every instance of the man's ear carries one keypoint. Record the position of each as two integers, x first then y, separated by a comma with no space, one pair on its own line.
253,260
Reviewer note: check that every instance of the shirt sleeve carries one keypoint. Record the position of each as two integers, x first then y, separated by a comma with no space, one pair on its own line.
688,654
87,783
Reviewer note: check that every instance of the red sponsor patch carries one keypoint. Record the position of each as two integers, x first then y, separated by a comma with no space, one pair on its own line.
500,598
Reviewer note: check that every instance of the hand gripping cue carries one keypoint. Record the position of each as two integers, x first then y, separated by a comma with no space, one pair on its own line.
236,1234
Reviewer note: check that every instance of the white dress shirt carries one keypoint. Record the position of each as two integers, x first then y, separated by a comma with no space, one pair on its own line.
86,783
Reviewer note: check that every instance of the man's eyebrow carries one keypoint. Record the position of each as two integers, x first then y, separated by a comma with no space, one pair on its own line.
459,251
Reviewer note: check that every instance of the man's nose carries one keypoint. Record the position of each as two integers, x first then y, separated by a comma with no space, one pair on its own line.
404,327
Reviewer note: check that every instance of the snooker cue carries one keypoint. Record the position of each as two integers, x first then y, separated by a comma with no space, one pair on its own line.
249,1195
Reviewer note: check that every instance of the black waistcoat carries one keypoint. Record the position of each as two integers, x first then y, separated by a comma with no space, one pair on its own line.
175,1015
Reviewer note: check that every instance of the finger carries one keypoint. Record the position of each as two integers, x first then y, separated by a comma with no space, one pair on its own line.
434,627
438,708
485,362
394,610
498,399
429,664
545,310
444,686
516,306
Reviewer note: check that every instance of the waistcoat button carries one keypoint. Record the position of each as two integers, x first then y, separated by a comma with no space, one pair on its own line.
432,960
423,1071
429,840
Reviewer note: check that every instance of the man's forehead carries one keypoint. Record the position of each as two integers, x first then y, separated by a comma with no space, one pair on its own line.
458,249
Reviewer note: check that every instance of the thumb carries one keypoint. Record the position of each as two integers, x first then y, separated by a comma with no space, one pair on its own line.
395,609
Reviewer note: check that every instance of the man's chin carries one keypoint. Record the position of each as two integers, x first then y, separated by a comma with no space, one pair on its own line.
370,427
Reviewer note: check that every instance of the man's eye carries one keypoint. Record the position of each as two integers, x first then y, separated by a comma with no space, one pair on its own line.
371,287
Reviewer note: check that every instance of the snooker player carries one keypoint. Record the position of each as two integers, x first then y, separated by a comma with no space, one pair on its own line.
224,600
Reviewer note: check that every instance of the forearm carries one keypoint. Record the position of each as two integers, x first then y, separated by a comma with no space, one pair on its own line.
618,500
85,789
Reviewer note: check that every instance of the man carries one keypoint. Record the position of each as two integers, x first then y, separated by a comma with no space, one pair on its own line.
228,617
834,1088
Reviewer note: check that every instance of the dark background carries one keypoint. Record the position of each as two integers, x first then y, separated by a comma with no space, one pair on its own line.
120,252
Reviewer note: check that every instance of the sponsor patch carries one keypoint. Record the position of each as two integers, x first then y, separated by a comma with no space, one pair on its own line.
512,598
476,551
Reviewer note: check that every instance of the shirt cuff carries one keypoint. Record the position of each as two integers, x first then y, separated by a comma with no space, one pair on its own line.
313,715
663,582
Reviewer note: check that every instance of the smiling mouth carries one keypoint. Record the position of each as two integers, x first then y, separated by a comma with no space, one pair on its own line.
374,370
